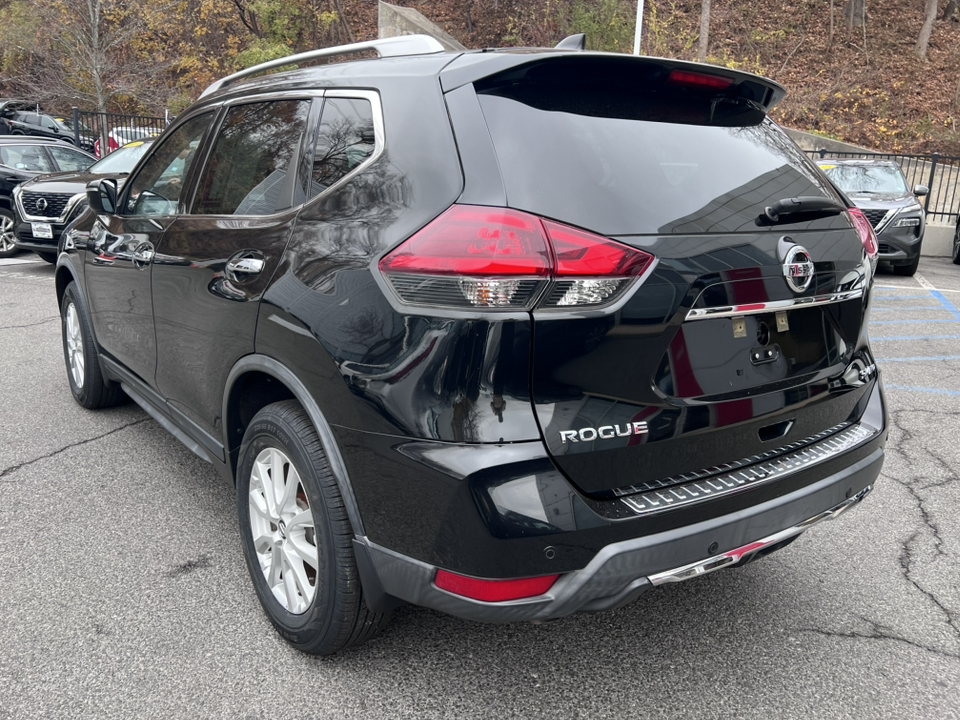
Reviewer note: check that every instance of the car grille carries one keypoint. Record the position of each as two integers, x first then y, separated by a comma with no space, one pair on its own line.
56,202
884,249
875,216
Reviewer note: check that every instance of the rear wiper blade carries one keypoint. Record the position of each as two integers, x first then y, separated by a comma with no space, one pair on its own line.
783,210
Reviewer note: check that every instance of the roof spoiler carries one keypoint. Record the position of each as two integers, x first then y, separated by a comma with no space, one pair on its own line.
384,47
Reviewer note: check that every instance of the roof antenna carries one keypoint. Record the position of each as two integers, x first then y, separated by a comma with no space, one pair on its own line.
573,42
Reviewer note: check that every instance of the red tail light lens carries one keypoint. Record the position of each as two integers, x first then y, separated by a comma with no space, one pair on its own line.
480,257
867,236
493,590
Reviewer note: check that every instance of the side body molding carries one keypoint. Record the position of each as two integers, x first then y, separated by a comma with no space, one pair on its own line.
269,366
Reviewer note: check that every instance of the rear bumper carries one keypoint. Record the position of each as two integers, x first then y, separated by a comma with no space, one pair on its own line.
622,571
619,571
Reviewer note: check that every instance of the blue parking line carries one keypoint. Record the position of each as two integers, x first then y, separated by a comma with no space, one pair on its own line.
902,297
947,305
914,337
911,322
935,391
911,307
915,359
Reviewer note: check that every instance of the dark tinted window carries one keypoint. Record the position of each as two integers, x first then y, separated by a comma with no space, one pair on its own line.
250,171
345,139
623,160
156,189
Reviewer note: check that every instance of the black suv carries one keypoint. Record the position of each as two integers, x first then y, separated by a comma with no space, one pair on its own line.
23,159
507,334
52,126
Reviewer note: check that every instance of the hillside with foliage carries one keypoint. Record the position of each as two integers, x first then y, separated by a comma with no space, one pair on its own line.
853,72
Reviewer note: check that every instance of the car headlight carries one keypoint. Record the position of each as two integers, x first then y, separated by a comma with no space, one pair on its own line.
907,222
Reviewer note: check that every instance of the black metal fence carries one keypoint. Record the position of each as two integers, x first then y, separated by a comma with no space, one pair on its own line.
940,173
105,132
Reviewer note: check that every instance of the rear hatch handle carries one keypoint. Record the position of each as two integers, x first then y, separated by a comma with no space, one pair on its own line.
782,210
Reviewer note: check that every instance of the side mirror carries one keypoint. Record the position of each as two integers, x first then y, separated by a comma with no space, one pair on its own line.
102,195
920,190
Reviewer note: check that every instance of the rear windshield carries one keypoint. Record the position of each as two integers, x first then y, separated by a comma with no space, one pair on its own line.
641,161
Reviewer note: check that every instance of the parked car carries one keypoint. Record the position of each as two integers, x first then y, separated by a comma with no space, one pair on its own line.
119,136
47,204
51,126
9,109
880,190
23,159
572,326
956,243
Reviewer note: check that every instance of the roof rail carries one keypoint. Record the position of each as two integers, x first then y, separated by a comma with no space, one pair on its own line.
385,47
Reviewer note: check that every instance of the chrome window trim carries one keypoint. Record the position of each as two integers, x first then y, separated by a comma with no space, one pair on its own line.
722,311
379,137
71,204
884,221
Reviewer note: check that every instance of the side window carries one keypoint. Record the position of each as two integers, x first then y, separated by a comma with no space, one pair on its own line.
252,167
69,160
345,139
47,123
27,157
156,188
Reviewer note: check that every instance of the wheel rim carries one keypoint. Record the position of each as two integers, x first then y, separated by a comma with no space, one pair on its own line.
284,534
7,238
75,346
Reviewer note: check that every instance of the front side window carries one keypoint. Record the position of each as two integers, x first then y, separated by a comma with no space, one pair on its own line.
31,158
69,160
345,139
48,123
252,166
157,187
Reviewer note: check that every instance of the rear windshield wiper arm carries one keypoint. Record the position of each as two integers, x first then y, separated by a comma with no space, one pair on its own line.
782,209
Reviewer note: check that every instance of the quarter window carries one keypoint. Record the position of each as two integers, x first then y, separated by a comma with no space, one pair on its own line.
252,169
345,139
157,187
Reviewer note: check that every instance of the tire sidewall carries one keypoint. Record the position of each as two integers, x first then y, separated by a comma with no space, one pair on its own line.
14,250
303,628
70,296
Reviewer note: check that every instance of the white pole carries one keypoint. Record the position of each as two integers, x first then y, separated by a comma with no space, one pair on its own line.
636,35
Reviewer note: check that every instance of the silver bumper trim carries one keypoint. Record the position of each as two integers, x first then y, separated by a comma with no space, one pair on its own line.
656,501
721,311
739,555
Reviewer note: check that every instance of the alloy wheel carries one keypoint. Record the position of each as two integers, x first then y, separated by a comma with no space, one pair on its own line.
7,238
75,346
283,529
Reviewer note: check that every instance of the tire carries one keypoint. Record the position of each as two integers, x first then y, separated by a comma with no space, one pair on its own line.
8,236
330,614
956,245
50,257
910,269
80,355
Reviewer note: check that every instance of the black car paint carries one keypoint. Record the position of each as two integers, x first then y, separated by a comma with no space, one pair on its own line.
423,411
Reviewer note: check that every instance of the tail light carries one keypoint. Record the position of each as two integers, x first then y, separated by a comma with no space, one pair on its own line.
867,236
497,258
493,590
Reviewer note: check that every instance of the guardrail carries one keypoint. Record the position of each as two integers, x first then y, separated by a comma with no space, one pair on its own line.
940,173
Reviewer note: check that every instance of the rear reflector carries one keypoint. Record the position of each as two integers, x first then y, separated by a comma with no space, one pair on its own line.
484,257
867,236
493,590
701,80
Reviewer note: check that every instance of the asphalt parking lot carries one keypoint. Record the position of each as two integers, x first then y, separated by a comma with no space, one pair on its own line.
123,591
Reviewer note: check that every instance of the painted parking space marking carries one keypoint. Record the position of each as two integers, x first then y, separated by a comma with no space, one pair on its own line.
935,391
920,359
913,337
21,261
